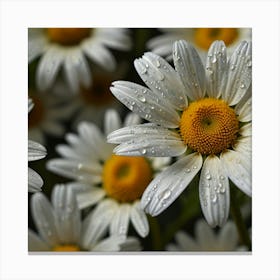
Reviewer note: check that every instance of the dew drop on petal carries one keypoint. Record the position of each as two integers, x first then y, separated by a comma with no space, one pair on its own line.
142,99
144,151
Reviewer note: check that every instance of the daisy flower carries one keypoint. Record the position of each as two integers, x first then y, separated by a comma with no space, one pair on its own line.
201,115
111,181
47,116
201,38
68,48
35,152
206,239
61,229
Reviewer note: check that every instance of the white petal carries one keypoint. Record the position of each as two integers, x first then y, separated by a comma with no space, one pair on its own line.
67,214
148,140
35,243
48,67
145,103
214,192
43,216
131,119
160,163
139,220
35,181
158,41
216,66
99,54
170,183
97,222
130,244
120,220
238,167
36,46
190,68
185,242
90,197
228,237
244,108
244,146
239,74
246,130
205,236
112,121
110,244
162,79
36,151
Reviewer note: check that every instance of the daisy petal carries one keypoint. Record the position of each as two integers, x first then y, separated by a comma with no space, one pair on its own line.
239,74
48,67
216,65
130,244
238,168
119,223
36,151
145,103
97,222
244,145
67,214
139,220
228,237
36,46
112,121
110,244
204,234
35,243
214,192
185,242
190,68
244,108
170,183
43,216
89,197
35,181
131,119
162,79
246,130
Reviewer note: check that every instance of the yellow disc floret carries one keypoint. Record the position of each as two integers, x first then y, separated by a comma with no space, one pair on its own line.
66,248
68,36
209,126
204,37
125,178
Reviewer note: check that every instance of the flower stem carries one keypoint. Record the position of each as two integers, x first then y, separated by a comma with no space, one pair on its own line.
239,221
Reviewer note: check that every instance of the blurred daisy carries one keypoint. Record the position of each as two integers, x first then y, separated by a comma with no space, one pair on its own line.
206,239
91,103
68,48
61,229
47,115
115,183
35,152
202,116
201,38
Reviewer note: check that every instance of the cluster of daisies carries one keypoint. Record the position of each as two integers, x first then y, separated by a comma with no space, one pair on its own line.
120,164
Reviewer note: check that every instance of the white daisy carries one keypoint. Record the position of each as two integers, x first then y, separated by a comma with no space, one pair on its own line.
35,152
68,48
113,182
204,116
201,38
47,116
207,240
61,229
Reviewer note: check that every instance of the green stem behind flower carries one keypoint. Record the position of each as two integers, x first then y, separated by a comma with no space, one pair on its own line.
155,233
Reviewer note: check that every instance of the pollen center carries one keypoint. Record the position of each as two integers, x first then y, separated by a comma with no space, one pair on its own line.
66,248
125,178
68,36
209,126
204,37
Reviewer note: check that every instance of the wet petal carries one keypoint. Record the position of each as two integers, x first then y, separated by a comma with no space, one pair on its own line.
36,151
139,220
112,121
120,220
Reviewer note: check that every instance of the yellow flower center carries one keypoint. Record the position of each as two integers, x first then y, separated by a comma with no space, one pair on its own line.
68,36
99,93
209,126
66,248
37,113
125,178
204,37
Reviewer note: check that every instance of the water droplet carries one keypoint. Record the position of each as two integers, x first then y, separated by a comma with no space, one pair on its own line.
166,194
122,230
142,99
249,64
242,86
194,167
155,187
161,77
214,60
157,63
147,65
144,91
222,177
144,71
144,151
133,103
232,67
188,170
208,176
214,198
222,189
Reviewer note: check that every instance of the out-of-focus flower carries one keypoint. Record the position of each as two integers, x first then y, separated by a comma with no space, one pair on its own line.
201,38
67,48
115,183
47,116
61,229
207,240
35,152
202,115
